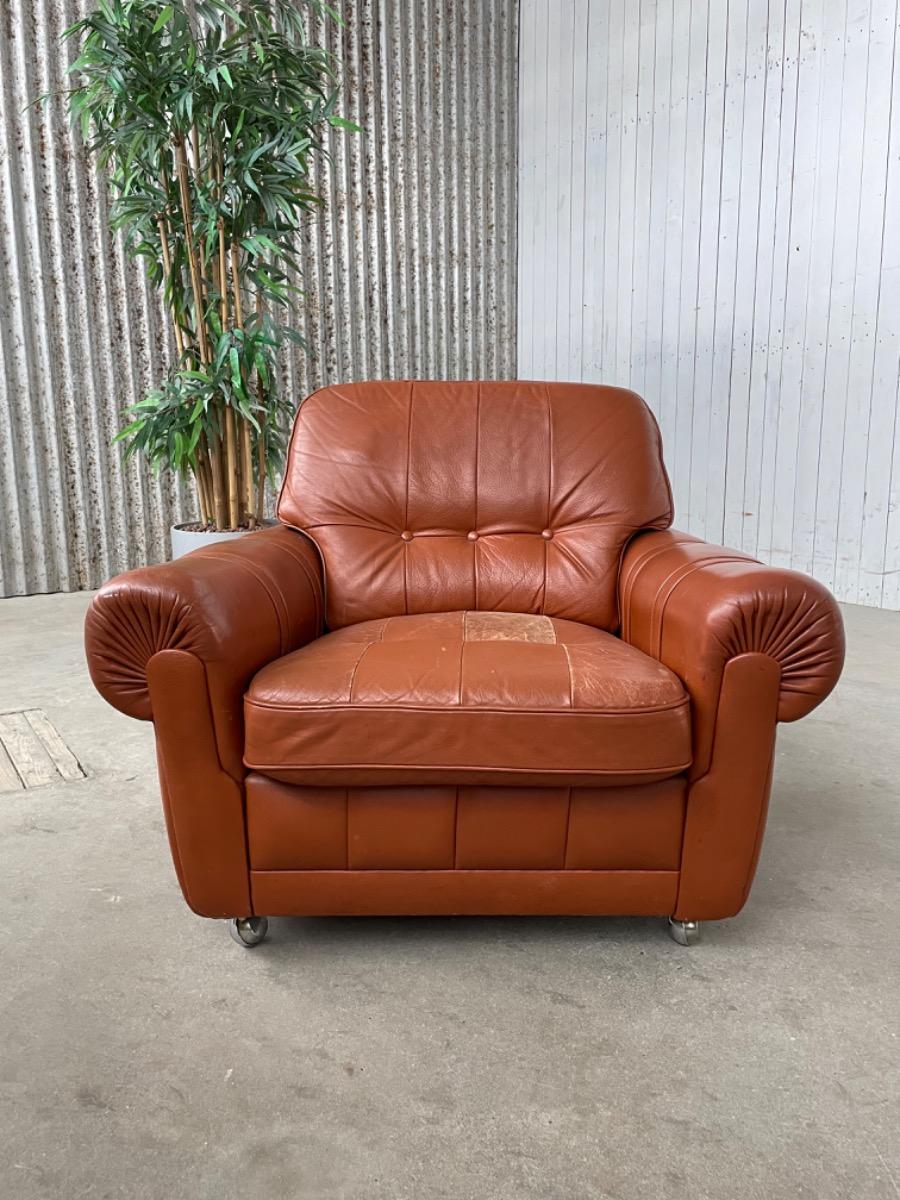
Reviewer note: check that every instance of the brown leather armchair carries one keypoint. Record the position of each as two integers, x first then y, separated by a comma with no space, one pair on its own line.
471,671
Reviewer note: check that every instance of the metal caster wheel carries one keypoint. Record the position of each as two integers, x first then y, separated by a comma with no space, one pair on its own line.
248,931
685,933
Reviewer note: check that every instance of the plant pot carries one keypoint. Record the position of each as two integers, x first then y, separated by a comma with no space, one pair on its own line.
184,539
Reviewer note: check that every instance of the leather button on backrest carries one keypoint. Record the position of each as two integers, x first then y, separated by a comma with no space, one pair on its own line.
472,535
547,533
406,535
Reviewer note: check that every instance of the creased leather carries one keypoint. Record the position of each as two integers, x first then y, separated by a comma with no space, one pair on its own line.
452,695
511,496
695,606
235,606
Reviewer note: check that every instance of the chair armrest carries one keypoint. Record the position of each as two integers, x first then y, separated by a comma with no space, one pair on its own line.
694,607
234,606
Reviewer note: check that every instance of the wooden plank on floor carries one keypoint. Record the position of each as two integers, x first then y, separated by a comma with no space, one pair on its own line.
9,776
27,752
63,759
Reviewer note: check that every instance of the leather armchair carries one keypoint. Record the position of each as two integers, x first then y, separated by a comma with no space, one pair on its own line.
472,671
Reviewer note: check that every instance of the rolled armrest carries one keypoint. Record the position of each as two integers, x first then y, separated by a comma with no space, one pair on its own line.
235,606
694,607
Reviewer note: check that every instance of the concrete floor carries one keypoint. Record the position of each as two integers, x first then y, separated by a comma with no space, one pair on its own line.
144,1055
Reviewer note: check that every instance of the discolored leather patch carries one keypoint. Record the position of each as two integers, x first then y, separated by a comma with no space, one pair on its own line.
508,627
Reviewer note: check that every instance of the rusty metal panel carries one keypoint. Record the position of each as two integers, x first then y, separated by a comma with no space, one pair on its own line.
408,271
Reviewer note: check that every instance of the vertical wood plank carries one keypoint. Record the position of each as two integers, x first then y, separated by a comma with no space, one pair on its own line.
707,214
697,513
880,557
723,241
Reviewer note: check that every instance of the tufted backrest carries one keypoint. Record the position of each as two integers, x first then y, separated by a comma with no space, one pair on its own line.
513,497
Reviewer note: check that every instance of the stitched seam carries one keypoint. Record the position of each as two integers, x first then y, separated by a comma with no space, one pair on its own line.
375,527
455,826
350,704
570,714
532,874
568,827
571,679
315,583
634,570
292,552
393,766
280,610
322,581
347,827
672,583
290,454
632,577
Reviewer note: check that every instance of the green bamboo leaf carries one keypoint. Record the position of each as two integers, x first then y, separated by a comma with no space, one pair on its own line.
235,360
164,18
343,123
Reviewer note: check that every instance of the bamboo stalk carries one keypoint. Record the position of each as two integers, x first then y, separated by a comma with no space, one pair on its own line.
247,471
232,462
236,284
193,266
195,148
165,232
218,480
198,178
202,494
261,460
220,500
204,465
167,267
223,262
260,444
204,481
246,447
231,468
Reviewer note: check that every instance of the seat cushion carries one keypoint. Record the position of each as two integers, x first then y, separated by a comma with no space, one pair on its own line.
467,697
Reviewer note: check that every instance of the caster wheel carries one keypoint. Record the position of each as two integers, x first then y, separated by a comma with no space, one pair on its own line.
685,933
248,931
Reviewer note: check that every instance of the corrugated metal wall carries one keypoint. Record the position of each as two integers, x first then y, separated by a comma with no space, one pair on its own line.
409,271
709,200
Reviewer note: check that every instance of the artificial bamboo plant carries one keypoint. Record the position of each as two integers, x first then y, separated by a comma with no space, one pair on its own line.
207,117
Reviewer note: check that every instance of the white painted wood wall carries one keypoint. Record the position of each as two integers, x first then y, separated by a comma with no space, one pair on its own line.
709,213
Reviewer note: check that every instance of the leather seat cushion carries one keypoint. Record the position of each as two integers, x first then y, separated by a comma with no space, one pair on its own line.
467,697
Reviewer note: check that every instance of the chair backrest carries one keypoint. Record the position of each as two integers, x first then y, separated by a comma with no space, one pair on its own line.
435,497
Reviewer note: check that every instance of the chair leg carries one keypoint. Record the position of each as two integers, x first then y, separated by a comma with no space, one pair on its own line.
248,931
685,933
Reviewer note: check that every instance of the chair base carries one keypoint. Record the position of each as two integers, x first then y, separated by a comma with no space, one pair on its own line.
685,933
250,931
